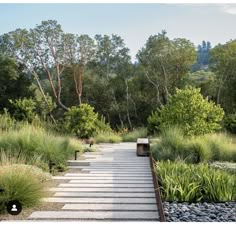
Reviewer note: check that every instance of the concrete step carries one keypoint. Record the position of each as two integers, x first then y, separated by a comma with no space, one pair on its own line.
111,181
102,175
110,207
95,189
79,185
104,194
92,215
101,200
78,176
115,172
102,178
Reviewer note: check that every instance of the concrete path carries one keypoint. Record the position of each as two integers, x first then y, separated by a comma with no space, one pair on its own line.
111,184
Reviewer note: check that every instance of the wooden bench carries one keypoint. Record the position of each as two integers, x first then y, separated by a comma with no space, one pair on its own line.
143,147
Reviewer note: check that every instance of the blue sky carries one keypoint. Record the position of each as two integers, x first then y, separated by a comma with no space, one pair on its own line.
133,22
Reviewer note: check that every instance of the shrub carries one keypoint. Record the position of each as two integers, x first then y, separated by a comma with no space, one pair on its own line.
190,111
107,137
24,109
134,135
230,123
191,183
20,183
81,121
6,122
154,122
101,125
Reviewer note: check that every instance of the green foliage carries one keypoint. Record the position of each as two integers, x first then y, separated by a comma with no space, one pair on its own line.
14,83
190,183
230,123
22,183
6,122
102,126
107,137
35,142
154,122
211,147
134,135
194,114
81,121
24,109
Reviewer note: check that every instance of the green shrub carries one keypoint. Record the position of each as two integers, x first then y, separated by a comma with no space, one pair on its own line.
190,111
20,183
101,125
37,143
107,137
6,122
154,122
24,109
230,123
81,121
134,135
191,183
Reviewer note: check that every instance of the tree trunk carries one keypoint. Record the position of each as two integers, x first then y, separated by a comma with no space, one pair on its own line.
127,104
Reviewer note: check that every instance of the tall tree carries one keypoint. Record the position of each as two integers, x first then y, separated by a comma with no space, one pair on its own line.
166,62
223,63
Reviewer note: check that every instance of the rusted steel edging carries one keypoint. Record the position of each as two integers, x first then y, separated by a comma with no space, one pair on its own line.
157,190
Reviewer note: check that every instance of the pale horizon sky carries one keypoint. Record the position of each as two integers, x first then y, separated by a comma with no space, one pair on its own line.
133,22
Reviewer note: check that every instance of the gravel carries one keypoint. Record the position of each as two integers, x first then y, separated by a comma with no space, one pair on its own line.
200,212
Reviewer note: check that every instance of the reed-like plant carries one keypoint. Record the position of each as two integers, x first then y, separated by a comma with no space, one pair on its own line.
193,183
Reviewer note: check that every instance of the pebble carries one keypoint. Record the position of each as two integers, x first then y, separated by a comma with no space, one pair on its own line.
200,212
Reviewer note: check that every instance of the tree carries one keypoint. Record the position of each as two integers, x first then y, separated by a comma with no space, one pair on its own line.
223,63
166,62
14,83
113,62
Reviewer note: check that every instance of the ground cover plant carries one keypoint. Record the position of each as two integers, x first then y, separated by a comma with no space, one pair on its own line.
184,182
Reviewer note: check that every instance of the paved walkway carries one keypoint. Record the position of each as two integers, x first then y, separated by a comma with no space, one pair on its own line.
111,184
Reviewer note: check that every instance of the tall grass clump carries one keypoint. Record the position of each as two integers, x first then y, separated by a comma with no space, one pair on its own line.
134,135
195,183
107,137
211,147
22,183
172,146
36,142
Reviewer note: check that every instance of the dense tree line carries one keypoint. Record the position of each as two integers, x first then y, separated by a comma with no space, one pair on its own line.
60,70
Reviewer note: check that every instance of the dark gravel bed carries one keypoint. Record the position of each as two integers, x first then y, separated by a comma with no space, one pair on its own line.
200,212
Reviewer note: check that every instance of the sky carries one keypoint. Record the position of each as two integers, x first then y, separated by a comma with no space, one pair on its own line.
133,22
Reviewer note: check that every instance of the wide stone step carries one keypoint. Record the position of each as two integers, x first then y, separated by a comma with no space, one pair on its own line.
101,200
116,172
110,207
92,215
89,189
79,185
104,195
102,178
78,177
102,175
112,181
